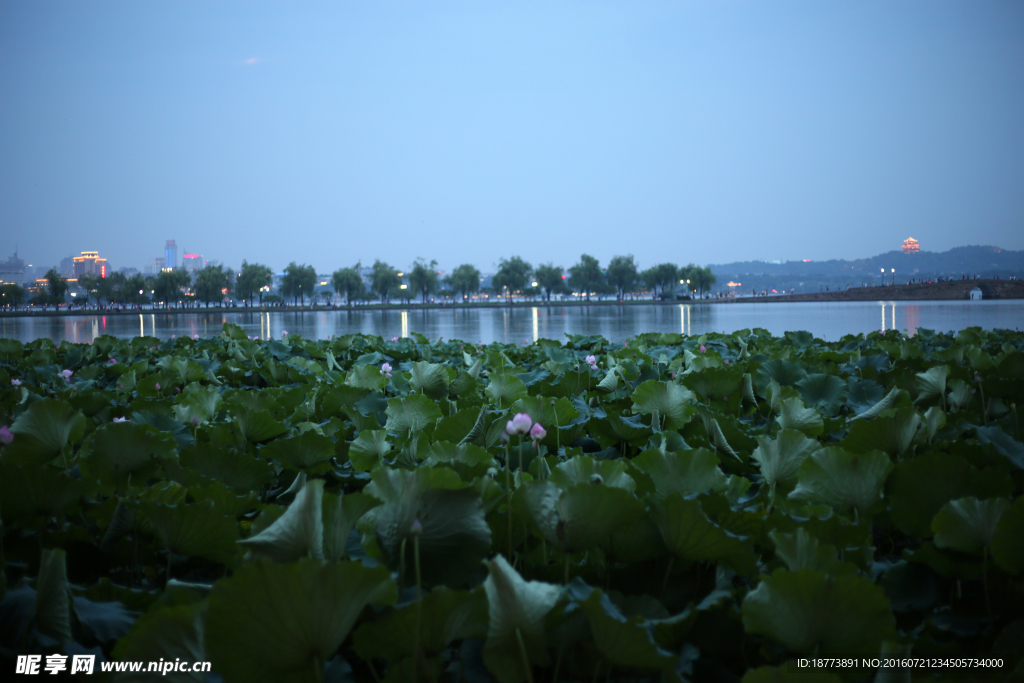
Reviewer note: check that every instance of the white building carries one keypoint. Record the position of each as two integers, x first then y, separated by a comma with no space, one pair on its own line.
976,294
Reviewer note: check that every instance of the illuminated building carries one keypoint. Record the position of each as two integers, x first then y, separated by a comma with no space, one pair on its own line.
911,246
90,263
192,262
170,255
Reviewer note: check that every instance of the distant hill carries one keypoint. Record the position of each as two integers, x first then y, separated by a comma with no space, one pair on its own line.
985,261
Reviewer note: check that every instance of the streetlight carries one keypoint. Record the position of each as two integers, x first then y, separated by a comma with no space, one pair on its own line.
893,277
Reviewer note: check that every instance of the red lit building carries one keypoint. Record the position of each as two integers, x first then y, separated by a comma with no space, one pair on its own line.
911,246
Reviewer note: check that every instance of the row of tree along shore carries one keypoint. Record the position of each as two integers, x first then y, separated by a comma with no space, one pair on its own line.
254,284
943,290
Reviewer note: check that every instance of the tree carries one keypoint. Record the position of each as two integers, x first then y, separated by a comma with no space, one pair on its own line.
251,280
384,279
622,274
169,284
89,284
464,280
56,286
110,287
12,295
586,275
660,276
211,282
550,278
703,279
299,282
511,276
349,282
423,278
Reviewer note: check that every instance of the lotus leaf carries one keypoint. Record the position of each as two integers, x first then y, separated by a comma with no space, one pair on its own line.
781,457
306,451
684,472
689,534
117,451
968,524
411,413
793,414
369,449
672,402
271,622
53,613
430,379
1006,546
803,551
199,529
298,533
844,480
340,514
1004,444
824,392
42,431
582,469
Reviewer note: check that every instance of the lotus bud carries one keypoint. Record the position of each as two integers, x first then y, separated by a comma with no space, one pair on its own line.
66,374
15,382
195,336
504,438
174,336
416,528
120,419
592,360
973,390
977,377
111,361
195,420
552,400
726,361
673,375
520,424
120,385
394,339
527,341
492,472
385,369
596,479
5,435
284,333
158,386
538,432
702,348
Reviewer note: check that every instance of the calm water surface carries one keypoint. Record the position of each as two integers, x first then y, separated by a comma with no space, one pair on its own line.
828,320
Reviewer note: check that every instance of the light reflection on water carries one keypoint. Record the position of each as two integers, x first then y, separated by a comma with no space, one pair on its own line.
828,320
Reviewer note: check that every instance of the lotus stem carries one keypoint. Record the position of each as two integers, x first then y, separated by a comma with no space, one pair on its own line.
169,556
419,604
318,669
984,579
508,505
668,572
558,661
522,653
401,563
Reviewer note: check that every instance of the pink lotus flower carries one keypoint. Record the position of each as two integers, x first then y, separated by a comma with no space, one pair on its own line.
394,339
158,386
385,370
702,348
195,336
66,374
520,424
111,361
538,432
120,419
592,361
527,341
284,333
5,435
15,382
726,361
174,336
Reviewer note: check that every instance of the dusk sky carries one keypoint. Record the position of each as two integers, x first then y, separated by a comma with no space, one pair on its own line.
330,133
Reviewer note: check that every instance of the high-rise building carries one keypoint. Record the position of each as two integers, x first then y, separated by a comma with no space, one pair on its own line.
13,270
192,262
90,263
67,267
170,255
910,246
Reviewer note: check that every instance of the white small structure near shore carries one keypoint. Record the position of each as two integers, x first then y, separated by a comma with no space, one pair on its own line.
976,294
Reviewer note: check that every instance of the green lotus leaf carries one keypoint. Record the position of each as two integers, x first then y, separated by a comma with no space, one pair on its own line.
1004,444
919,488
793,414
911,586
785,372
198,529
42,431
931,385
307,451
968,524
445,616
298,533
465,454
198,402
589,516
340,514
683,472
370,449
165,632
961,394
121,524
1006,546
411,412
516,611
624,641
616,428
864,394
673,402
455,427
30,495
117,451
366,377
749,398
338,397
781,457
505,389
689,534
783,674
453,535
224,498
274,622
715,384
934,420
800,550
892,434
239,470
464,384
609,384
812,612
824,392
717,438
105,621
844,480
258,426
430,379
582,469
777,393
891,400
53,613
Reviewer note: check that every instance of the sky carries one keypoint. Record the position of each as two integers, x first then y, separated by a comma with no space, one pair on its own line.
466,132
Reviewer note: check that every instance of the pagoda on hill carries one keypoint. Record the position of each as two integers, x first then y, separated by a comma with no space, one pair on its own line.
911,246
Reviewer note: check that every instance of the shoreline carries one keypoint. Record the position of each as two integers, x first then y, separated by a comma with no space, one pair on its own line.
953,290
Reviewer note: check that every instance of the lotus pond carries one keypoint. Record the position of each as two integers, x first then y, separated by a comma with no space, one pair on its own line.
708,508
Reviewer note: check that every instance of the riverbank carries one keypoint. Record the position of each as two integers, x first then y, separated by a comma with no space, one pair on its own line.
951,290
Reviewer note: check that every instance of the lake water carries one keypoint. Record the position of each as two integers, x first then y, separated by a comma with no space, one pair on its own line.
828,320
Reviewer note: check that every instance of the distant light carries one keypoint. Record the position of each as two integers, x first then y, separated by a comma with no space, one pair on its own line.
681,282
807,260
404,287
534,284
401,274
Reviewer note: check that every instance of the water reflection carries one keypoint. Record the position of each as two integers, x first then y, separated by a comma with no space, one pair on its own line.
520,323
